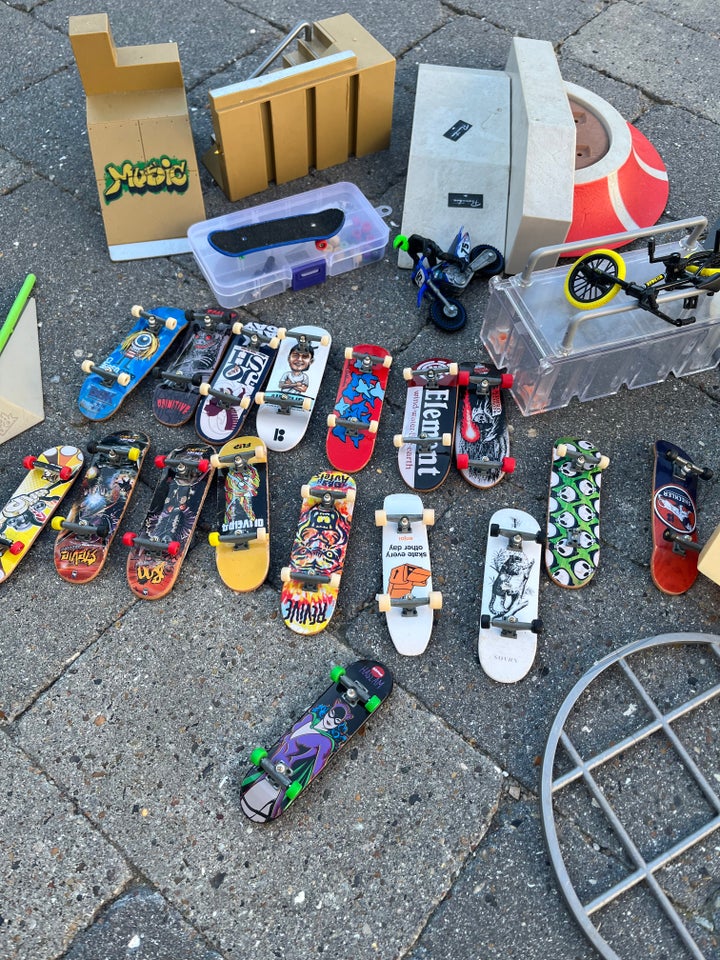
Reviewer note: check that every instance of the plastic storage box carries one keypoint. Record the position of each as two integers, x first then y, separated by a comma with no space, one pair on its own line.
239,280
557,352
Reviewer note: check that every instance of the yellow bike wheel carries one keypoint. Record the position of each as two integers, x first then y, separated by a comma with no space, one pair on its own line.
590,282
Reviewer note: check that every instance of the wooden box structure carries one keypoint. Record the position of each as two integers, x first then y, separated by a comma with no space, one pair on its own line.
142,147
21,392
332,99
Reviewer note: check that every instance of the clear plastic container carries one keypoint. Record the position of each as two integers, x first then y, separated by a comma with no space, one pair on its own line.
236,281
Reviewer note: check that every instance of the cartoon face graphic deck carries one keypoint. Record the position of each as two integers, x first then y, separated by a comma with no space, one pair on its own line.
674,560
85,535
110,382
49,477
312,580
408,599
241,540
281,773
482,439
204,341
157,552
245,367
573,520
287,402
353,424
509,626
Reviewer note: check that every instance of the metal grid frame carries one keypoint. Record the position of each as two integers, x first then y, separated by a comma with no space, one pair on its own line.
644,871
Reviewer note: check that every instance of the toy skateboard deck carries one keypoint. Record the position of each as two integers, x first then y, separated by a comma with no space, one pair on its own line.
408,600
509,624
354,421
157,553
244,369
312,580
108,384
287,403
205,339
242,547
674,560
49,477
573,520
482,439
240,241
425,445
85,536
282,772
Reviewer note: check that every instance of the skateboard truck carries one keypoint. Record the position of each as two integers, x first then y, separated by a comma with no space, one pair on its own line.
509,627
239,459
328,497
123,378
683,467
284,402
257,337
241,541
171,547
179,378
681,542
435,374
368,360
223,320
409,605
276,772
182,466
352,424
484,383
309,579
114,452
13,546
423,442
515,537
30,463
153,320
101,529
354,692
223,399
581,459
507,464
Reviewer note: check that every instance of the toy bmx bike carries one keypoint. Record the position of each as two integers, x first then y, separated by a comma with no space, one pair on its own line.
597,277
441,275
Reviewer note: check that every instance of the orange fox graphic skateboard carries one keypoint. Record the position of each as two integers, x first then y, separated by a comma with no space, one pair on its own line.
409,600
242,547
312,580
49,477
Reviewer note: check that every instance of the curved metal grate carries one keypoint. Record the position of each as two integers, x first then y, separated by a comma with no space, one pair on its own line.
594,771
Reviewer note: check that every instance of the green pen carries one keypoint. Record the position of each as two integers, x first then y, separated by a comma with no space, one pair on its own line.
16,310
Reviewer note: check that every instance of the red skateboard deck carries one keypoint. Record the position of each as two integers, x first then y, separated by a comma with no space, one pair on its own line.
354,421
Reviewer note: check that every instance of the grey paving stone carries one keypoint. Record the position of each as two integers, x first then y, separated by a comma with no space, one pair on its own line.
30,51
13,173
553,21
58,868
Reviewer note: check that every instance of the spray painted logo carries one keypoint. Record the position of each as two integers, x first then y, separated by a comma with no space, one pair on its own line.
154,176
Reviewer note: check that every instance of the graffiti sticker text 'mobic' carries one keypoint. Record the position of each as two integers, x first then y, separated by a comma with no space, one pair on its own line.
154,176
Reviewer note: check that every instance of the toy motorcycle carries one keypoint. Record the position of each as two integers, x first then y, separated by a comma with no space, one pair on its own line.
441,274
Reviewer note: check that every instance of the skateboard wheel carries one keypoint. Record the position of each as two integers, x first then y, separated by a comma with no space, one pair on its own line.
387,362
307,404
173,548
124,379
453,369
214,538
446,439
334,581
372,704
29,463
506,380
463,378
325,340
203,465
435,600
87,366
260,454
281,333
285,575
305,491
485,621
129,539
133,454
321,244
561,449
293,790
384,603
260,398
274,343
508,464
398,440
407,373
348,353
380,518
336,673
428,517
350,496
16,547
261,534
160,461
245,401
463,461
257,756
65,473
536,626
204,389
57,522
603,462
137,311
331,420
171,323
373,426
237,327
494,529
215,461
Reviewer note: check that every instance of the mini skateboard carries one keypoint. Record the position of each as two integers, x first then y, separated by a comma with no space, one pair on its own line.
425,445
242,547
304,227
83,543
205,339
244,369
674,560
279,774
573,520
49,477
156,555
354,422
482,439
408,599
509,624
312,580
289,398
109,383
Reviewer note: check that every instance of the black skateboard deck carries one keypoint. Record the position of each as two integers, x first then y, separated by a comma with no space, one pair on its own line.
252,237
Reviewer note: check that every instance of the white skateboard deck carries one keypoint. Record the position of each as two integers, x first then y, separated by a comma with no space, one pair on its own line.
287,403
408,600
507,643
